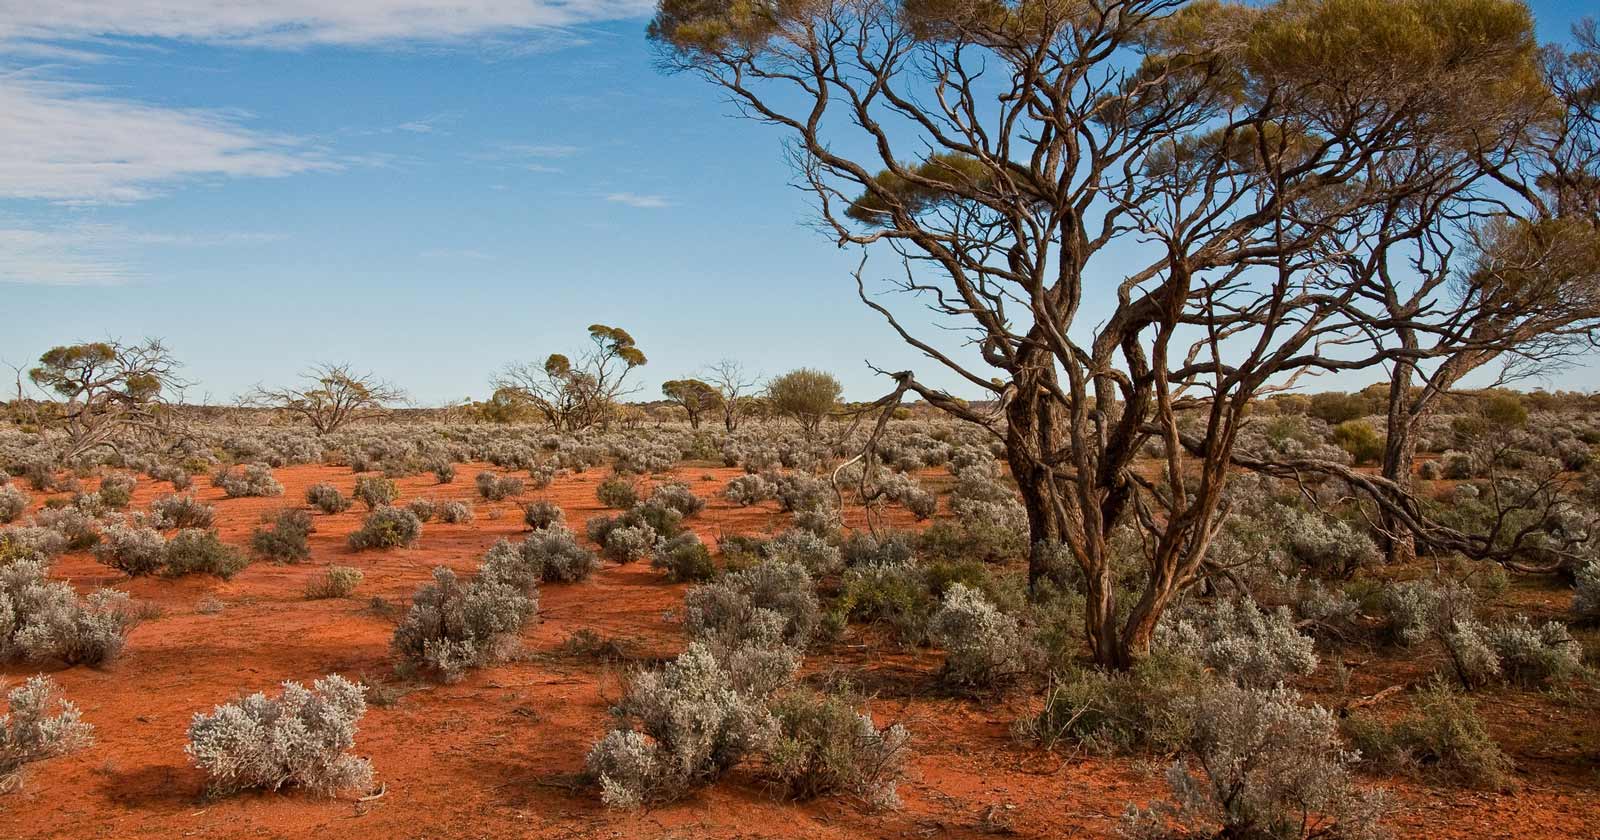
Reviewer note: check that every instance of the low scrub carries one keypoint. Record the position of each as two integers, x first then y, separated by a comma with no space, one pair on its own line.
1444,738
825,747
38,725
494,487
44,620
200,551
184,511
253,480
375,491
327,498
452,627
302,738
334,582
983,646
282,538
387,527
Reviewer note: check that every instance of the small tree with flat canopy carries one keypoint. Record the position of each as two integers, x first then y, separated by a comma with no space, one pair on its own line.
696,398
806,395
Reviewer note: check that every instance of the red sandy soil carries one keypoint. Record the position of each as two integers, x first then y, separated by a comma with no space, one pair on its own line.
493,756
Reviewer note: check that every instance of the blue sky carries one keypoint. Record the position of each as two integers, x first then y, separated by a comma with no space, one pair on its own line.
426,194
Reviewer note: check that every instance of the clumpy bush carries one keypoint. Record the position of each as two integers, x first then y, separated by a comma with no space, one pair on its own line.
182,512
1534,655
200,551
895,594
34,543
423,509
77,528
327,498
747,490
452,627
496,487
13,502
1586,593
1444,738
1120,711
1269,768
300,738
770,603
455,513
387,527
335,582
552,555
679,727
375,491
617,492
255,480
1419,610
282,538
444,472
542,514
824,746
683,558
675,495
983,646
116,490
132,550
43,620
807,549
628,543
1359,439
1242,642
30,733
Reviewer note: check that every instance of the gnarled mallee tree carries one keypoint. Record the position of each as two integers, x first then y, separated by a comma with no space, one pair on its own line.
109,392
330,396
572,396
1144,212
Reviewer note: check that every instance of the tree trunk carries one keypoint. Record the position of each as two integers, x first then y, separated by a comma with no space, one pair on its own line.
1031,435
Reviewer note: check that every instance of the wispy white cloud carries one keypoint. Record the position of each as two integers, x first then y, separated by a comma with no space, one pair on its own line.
648,202
95,255
301,23
70,144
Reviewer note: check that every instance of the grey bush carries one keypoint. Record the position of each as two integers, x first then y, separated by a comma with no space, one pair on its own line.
1535,655
13,503
628,543
542,514
452,627
43,620
494,487
254,480
455,512
182,512
375,491
283,537
983,646
1269,768
1586,593
387,527
771,603
38,725
327,498
805,548
335,582
824,746
132,549
1244,643
747,490
201,551
301,738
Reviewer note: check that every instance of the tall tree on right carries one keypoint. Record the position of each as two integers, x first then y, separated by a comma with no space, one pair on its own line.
1142,213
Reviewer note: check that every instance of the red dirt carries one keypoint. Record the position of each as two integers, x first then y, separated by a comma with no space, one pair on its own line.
492,755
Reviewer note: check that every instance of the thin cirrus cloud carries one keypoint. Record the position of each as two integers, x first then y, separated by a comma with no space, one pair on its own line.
66,144
300,23
645,202
93,255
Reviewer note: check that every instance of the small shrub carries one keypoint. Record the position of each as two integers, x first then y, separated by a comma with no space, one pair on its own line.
132,550
327,498
1269,768
30,733
255,480
283,538
747,490
1120,711
76,528
1250,646
182,512
200,551
496,487
1444,738
895,594
455,513
983,646
772,603
375,491
300,738
423,509
1359,439
1535,655
335,582
116,490
628,543
617,492
677,496
387,527
1586,593
444,472
43,620
542,514
681,727
683,558
824,747
452,627
13,503
806,548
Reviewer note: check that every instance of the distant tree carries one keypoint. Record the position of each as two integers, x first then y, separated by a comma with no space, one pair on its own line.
573,396
735,386
505,405
693,396
806,395
330,396
107,391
